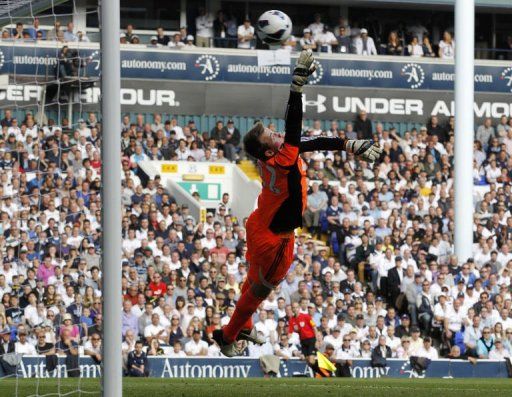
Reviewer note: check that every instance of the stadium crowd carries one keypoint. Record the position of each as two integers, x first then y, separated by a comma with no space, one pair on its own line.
226,32
386,283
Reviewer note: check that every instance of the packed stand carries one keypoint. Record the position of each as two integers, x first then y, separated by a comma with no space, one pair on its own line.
386,284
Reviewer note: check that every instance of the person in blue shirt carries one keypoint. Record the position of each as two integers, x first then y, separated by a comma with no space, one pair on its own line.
137,364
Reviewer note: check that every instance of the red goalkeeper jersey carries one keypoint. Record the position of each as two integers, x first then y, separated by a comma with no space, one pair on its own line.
283,197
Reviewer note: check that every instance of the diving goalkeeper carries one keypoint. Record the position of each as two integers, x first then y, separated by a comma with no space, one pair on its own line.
270,228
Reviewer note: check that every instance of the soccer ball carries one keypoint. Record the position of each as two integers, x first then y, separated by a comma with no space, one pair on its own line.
274,27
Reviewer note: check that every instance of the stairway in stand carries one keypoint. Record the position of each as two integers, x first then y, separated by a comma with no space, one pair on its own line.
249,169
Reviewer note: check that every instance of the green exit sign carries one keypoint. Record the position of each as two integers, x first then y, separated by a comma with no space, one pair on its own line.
207,191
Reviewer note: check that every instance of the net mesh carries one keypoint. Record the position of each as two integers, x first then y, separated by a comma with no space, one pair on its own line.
50,310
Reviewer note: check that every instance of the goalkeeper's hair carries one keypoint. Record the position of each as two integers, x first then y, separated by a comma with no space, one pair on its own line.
252,145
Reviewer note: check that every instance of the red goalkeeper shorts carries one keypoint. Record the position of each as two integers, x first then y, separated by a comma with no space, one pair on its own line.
270,255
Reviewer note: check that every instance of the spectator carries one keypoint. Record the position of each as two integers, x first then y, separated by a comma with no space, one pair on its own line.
344,41
447,46
18,32
177,351
196,346
68,347
363,44
415,49
427,48
189,43
363,126
427,350
204,28
317,26
435,129
220,27
394,47
380,353
317,202
22,346
161,38
485,132
485,344
92,348
325,40
176,42
35,29
69,34
245,35
307,42
129,34
499,352
137,364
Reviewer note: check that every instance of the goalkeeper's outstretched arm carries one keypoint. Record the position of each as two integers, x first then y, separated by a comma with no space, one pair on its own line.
293,119
362,148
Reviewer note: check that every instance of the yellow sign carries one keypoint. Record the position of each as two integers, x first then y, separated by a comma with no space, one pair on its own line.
169,168
217,169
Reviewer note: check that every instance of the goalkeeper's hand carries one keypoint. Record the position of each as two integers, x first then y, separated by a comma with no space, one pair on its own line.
303,69
364,149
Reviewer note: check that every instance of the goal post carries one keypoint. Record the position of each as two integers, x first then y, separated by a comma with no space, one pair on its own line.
111,196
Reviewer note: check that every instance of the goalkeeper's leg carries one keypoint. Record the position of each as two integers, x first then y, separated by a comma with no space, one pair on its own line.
266,271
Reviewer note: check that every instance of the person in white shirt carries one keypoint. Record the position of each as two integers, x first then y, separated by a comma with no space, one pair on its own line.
427,350
335,338
189,43
499,352
92,347
364,45
325,40
285,349
245,35
307,42
391,340
177,351
317,26
447,46
415,49
155,330
505,319
22,346
176,42
196,346
204,28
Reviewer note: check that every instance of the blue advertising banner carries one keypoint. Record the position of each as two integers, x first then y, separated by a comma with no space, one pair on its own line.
222,66
163,367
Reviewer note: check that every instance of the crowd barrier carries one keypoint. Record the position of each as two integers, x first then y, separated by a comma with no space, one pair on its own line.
165,367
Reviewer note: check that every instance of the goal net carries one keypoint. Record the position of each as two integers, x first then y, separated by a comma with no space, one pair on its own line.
50,140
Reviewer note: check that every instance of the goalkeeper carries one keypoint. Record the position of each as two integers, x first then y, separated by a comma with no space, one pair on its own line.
270,228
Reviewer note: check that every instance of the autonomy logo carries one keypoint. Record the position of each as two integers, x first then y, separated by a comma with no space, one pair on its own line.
94,58
318,74
507,75
411,372
414,73
318,103
210,66
2,59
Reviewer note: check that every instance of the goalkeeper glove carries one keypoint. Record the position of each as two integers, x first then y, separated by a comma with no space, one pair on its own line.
363,149
303,69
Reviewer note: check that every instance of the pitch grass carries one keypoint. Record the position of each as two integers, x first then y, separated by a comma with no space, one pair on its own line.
294,387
